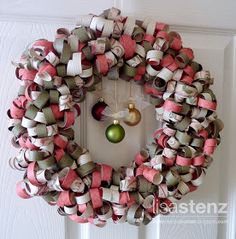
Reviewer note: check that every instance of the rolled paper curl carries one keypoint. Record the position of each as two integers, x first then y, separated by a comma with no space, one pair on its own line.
55,77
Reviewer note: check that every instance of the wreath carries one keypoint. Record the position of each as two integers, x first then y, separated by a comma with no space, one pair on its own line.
55,77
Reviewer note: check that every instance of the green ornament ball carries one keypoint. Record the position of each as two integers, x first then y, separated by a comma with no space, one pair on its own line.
115,133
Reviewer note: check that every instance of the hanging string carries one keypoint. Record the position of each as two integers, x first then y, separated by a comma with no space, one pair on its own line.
116,96
130,89
101,84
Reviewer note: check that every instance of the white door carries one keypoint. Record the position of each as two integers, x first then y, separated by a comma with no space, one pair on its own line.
207,27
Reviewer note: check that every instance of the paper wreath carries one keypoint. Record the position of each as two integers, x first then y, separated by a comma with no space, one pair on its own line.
55,77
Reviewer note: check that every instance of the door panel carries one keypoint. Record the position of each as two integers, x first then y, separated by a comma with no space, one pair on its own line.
22,22
20,218
209,51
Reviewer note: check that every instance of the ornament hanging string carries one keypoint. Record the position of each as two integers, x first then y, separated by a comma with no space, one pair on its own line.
130,89
116,103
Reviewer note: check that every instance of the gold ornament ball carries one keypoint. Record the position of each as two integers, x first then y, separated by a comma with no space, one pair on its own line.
115,133
134,116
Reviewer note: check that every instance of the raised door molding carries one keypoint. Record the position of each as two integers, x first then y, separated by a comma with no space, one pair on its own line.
210,14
